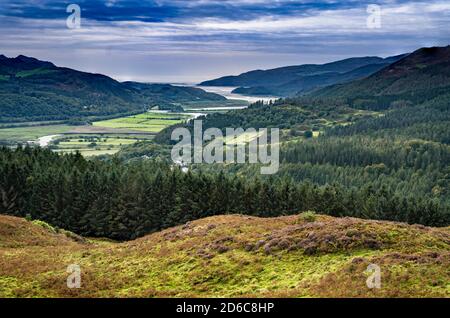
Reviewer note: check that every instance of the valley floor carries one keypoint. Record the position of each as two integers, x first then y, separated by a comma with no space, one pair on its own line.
230,256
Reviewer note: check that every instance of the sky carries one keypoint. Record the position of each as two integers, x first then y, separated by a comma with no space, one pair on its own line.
188,41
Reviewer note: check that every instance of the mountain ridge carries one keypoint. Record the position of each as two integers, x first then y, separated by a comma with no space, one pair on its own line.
422,77
32,89
289,80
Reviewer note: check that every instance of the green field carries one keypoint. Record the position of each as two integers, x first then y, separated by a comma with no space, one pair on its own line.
24,134
90,146
148,122
103,137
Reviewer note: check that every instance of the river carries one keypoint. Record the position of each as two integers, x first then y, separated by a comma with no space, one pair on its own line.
195,113
227,92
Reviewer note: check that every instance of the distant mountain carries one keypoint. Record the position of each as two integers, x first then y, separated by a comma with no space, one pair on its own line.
31,89
292,80
423,77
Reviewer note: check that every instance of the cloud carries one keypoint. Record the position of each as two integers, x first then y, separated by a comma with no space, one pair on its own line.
232,35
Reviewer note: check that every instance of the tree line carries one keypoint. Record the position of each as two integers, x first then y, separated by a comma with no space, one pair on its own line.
127,200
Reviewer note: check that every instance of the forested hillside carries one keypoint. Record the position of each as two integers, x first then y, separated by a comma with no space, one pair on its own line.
35,90
125,201
390,165
423,77
404,153
287,114
400,155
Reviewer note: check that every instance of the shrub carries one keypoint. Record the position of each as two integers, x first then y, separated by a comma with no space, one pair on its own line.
308,134
73,236
45,225
308,216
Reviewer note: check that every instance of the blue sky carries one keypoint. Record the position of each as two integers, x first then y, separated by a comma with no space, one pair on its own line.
194,40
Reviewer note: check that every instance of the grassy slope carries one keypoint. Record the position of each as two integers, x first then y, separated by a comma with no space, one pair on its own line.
231,256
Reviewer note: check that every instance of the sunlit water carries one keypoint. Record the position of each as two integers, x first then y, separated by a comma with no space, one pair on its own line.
227,92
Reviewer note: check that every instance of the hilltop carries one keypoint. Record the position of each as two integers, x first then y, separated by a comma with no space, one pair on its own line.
304,255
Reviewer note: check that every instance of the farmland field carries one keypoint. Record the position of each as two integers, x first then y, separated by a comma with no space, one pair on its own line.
100,138
95,145
148,122
24,134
